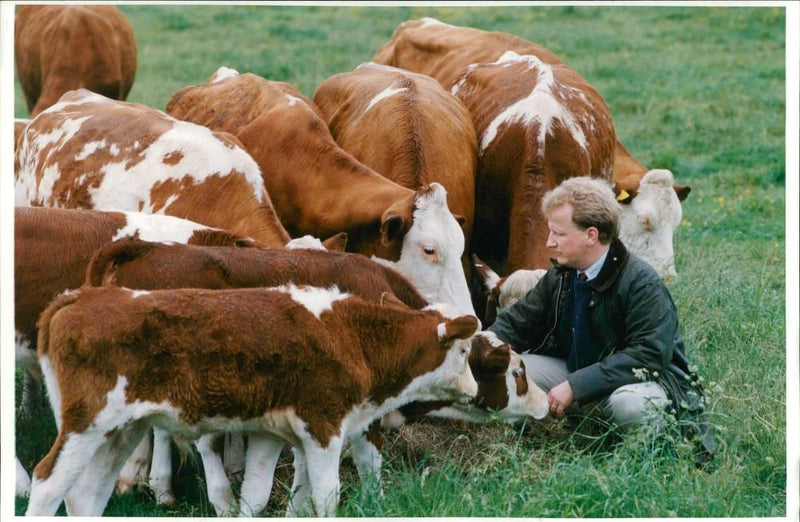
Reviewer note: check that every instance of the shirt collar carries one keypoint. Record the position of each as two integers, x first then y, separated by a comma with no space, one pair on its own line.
593,270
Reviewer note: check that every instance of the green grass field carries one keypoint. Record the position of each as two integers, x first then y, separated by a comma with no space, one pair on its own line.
698,90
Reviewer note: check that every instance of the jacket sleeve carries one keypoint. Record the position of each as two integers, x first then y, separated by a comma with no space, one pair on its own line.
524,324
651,323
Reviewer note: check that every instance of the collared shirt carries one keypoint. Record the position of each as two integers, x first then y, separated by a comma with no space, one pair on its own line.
594,270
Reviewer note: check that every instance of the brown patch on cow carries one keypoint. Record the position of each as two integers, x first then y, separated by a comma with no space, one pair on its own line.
172,158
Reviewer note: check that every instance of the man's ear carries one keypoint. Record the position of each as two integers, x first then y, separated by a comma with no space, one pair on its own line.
592,236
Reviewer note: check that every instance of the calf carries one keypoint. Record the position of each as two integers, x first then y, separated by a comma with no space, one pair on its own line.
406,127
318,188
305,366
88,151
58,48
52,249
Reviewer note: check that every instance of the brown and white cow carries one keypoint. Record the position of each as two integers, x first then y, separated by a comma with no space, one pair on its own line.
89,151
59,48
503,385
320,189
406,127
52,249
302,365
445,52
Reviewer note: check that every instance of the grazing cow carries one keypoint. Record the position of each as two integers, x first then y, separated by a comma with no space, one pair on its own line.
88,151
144,265
306,366
319,189
52,249
445,52
58,48
406,127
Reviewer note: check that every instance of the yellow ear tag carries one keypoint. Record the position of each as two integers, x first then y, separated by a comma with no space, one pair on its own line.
623,195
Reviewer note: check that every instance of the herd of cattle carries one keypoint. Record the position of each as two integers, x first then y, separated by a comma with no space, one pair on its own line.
158,284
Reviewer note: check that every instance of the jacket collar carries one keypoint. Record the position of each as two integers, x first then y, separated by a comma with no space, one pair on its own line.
615,261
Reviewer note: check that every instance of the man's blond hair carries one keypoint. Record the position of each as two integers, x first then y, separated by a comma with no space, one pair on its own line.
593,205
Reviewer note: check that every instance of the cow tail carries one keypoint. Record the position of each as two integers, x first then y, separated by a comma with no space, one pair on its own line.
102,267
63,300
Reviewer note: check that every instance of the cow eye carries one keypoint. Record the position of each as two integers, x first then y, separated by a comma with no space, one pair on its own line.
429,250
518,372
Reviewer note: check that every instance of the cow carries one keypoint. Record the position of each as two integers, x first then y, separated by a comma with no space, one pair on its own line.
503,385
319,189
298,365
406,127
445,52
88,151
59,48
52,250
503,291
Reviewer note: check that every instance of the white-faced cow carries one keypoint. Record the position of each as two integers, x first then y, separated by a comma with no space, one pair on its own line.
89,151
52,249
298,365
503,385
319,189
59,48
406,127
445,52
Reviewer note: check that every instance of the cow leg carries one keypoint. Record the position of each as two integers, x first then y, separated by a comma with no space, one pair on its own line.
234,454
23,481
89,495
59,469
135,470
301,489
259,471
161,467
368,460
323,475
218,488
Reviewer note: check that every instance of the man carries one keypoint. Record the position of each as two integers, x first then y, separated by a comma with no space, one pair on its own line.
601,326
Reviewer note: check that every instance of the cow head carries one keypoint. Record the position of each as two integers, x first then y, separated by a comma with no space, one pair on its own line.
432,245
649,221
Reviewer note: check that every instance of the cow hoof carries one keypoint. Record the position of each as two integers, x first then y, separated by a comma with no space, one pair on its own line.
165,499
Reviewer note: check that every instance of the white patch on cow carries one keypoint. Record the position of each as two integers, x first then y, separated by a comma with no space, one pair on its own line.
648,222
137,293
89,149
51,383
223,73
315,299
158,228
516,285
23,481
114,150
431,254
202,155
541,105
386,93
308,242
429,21
292,99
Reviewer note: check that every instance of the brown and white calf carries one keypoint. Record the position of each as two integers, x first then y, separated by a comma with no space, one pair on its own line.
298,365
445,52
143,265
58,48
407,127
52,249
88,151
320,189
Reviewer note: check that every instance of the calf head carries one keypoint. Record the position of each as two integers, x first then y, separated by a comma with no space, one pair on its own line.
649,221
432,245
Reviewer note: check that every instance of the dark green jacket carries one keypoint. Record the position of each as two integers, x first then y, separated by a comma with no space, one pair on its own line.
631,316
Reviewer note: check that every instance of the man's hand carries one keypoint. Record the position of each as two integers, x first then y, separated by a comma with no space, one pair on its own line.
560,397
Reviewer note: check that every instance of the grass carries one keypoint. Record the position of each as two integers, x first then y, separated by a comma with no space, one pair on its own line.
688,93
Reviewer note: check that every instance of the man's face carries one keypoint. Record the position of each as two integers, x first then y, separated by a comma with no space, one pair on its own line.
568,242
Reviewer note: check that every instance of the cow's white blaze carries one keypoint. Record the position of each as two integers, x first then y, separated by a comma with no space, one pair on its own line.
158,228
386,93
428,21
541,105
223,73
316,300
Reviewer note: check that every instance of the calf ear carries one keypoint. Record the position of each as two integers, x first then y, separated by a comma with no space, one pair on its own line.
459,328
389,300
682,191
336,243
486,359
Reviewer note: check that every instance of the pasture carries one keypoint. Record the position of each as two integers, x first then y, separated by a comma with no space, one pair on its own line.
687,92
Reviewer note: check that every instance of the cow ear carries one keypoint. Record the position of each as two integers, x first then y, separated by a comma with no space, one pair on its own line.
459,328
391,228
336,243
460,219
682,191
389,300
487,359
